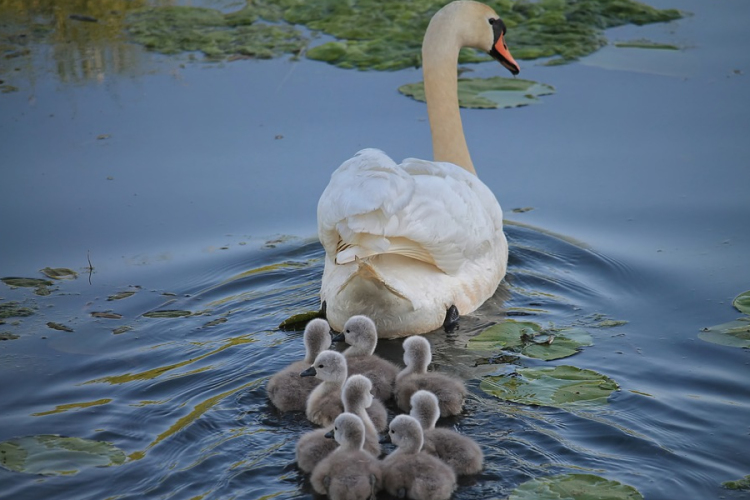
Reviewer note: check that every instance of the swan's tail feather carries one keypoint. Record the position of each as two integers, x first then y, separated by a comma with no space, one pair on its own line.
367,271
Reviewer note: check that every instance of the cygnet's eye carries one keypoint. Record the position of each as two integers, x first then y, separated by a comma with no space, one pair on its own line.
320,365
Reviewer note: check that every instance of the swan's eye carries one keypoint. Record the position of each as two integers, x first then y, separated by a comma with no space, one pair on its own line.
492,20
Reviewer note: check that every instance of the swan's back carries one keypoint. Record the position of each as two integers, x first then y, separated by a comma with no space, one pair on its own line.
427,233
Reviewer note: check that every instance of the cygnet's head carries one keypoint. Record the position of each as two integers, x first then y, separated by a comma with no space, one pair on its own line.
425,408
317,338
361,334
406,433
356,393
348,431
417,354
329,366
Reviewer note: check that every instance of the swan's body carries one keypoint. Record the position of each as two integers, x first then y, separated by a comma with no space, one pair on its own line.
349,473
411,473
286,389
461,453
406,242
361,334
450,392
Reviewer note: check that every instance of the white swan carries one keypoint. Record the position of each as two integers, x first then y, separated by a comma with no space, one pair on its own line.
415,244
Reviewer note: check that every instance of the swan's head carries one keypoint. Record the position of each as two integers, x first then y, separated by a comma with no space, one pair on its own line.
417,354
356,393
348,431
425,408
329,366
361,333
406,433
477,25
317,338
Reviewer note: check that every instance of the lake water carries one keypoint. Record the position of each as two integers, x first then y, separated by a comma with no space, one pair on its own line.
195,186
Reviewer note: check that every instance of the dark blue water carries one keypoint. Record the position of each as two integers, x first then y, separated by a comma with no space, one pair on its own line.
636,170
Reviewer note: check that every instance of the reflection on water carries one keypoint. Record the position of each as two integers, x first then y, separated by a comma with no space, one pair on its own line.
184,397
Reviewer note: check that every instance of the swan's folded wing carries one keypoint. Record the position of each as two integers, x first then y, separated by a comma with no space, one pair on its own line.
434,212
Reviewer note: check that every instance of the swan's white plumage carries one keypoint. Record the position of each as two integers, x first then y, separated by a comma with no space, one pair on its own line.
406,241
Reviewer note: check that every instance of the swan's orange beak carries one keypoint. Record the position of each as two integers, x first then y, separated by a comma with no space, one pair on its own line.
501,53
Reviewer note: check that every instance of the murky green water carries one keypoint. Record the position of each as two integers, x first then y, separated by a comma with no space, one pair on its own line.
194,187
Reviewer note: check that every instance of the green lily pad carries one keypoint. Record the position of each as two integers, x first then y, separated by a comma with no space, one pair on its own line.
120,296
297,322
561,386
52,455
26,282
59,273
168,313
13,310
489,93
740,484
733,334
524,338
742,302
574,487
59,326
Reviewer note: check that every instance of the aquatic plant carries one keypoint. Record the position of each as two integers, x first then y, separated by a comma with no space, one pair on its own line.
485,93
574,487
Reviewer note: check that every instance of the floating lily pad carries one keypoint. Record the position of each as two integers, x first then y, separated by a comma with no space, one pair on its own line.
106,315
120,296
14,310
528,339
740,484
299,321
646,44
742,302
488,93
52,455
168,313
733,334
58,326
561,386
59,273
26,282
574,487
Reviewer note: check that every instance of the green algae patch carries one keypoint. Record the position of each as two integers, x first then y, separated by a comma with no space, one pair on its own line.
120,296
380,34
574,487
8,336
489,93
14,310
742,302
560,387
59,327
168,313
176,29
59,273
733,334
740,484
646,44
52,455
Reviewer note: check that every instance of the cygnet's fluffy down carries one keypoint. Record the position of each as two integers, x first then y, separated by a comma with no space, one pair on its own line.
312,448
348,473
324,403
362,336
286,389
460,452
411,473
359,400
450,392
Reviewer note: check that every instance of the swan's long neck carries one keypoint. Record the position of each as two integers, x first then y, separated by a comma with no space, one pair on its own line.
440,48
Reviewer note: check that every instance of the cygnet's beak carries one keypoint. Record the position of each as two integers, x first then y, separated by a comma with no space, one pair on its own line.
339,338
329,434
310,372
385,439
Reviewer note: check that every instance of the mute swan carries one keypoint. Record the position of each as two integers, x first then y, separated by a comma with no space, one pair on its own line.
362,335
411,473
349,472
286,389
461,453
414,245
450,392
